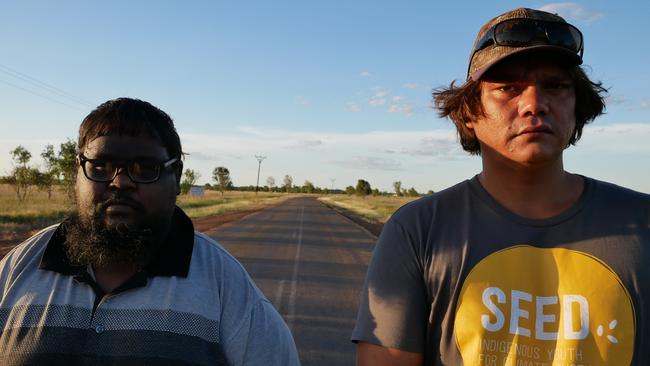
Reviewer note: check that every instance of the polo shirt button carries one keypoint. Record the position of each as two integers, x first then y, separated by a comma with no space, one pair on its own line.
99,329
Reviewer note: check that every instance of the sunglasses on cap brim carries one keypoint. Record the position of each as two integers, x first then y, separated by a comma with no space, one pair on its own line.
523,32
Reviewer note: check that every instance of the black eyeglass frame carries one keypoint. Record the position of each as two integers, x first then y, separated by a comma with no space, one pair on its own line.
490,36
124,166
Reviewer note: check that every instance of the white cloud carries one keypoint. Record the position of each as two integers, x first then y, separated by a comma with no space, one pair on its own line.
376,101
400,105
320,156
248,130
353,107
445,147
404,108
411,86
365,74
379,96
198,155
252,139
380,92
573,12
617,138
306,144
369,163
615,100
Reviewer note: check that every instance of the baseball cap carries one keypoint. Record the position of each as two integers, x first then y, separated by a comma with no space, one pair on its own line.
523,30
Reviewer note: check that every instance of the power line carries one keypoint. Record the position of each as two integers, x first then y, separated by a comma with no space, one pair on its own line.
40,95
43,86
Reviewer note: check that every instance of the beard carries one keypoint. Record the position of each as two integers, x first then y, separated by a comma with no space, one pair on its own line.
90,241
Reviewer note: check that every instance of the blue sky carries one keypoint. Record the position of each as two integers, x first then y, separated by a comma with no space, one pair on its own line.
329,90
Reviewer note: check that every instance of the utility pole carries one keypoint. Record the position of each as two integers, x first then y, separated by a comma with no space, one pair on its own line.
333,180
259,165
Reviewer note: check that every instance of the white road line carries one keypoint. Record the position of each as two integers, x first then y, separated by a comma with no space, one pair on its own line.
277,300
294,277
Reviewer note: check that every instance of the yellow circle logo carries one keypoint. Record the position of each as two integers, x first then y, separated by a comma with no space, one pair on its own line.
527,306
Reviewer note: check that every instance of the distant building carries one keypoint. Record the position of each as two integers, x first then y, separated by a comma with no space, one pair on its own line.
197,191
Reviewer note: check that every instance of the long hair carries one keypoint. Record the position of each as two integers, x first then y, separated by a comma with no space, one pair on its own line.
462,104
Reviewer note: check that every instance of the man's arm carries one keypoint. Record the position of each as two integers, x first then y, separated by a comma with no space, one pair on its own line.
372,355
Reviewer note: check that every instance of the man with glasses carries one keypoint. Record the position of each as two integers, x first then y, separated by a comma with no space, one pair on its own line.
125,279
526,263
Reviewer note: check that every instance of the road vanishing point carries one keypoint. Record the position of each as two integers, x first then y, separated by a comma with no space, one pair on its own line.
310,262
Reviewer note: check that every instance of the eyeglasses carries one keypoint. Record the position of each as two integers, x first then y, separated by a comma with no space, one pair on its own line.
521,32
139,171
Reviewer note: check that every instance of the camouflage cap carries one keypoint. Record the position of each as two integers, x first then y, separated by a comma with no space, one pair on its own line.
480,61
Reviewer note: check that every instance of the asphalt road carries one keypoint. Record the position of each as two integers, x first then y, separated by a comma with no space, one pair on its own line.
310,262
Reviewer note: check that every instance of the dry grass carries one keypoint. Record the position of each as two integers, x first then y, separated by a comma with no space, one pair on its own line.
373,209
19,220
213,203
35,213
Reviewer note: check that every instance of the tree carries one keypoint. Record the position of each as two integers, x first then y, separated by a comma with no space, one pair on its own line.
190,178
363,188
288,182
222,176
398,187
308,187
66,166
350,190
44,181
270,182
22,176
412,192
47,178
21,156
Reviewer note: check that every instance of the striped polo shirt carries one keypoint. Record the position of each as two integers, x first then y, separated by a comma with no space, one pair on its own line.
193,304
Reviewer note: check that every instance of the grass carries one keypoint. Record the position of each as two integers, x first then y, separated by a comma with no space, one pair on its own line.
19,220
213,203
34,213
370,208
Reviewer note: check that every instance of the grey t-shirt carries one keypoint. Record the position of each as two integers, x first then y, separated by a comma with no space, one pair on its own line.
458,277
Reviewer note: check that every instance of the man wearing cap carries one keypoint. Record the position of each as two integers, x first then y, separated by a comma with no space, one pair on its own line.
525,263
125,279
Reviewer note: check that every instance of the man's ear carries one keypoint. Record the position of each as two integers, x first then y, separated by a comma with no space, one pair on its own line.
179,174
469,125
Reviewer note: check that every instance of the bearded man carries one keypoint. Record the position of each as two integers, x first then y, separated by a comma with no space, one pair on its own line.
125,279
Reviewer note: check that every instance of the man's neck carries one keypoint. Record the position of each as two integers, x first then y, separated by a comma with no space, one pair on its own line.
535,192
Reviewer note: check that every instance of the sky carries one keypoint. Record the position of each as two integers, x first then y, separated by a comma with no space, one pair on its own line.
328,91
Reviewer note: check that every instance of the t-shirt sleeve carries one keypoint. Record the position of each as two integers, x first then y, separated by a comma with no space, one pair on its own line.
393,308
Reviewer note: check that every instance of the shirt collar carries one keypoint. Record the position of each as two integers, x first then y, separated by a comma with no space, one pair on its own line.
172,259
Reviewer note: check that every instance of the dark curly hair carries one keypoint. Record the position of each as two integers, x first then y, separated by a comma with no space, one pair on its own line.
462,104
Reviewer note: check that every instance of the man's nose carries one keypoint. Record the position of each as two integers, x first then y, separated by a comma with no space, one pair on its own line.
122,180
533,101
